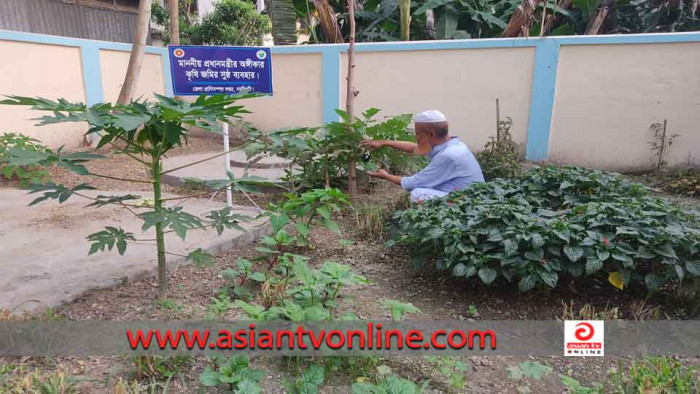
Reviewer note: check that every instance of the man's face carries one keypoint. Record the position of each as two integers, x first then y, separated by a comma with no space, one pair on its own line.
424,134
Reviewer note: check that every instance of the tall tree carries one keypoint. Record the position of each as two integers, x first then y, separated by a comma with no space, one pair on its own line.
350,98
174,22
138,52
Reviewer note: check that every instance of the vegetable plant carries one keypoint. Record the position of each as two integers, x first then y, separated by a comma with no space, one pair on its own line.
26,174
145,131
309,381
319,157
235,374
311,208
555,222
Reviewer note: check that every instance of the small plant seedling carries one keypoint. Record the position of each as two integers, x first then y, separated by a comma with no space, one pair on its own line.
219,306
661,143
577,388
472,311
398,309
235,374
309,381
451,367
528,369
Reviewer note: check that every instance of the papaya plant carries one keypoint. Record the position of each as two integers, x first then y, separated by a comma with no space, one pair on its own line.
145,131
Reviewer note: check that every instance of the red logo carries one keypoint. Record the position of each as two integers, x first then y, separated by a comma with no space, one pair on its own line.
584,333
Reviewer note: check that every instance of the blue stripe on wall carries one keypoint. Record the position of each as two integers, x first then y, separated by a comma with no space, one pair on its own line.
330,85
544,82
92,73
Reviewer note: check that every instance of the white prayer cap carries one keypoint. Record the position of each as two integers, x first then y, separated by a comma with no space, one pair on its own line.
430,116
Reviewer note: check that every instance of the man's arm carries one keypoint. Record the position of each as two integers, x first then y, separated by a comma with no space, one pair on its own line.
383,174
403,146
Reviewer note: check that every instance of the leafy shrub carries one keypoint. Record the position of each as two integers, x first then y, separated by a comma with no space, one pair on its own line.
657,375
501,156
235,373
322,156
26,174
232,22
308,382
392,384
554,222
311,208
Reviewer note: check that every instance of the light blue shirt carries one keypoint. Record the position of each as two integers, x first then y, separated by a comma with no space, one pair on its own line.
452,167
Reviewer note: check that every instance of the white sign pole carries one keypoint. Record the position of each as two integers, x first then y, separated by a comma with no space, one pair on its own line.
227,157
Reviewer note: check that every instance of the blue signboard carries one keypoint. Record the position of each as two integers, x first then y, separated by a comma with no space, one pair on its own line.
208,70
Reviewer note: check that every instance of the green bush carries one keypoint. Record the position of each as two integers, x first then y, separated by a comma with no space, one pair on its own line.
657,375
553,222
232,22
25,174
322,156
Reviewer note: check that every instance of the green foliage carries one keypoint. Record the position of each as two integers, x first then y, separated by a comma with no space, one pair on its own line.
232,22
235,374
322,155
156,368
108,238
398,309
307,294
554,222
451,367
309,381
657,375
577,388
390,385
57,382
501,156
26,174
309,209
218,306
529,369
145,131
200,258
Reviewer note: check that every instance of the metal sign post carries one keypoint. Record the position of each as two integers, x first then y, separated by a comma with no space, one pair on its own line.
227,157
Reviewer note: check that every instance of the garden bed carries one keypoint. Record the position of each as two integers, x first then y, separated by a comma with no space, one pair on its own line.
392,277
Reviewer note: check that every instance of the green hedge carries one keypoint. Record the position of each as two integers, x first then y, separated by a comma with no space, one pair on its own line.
553,222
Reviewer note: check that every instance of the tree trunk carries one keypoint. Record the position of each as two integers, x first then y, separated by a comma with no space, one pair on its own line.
405,7
430,24
350,99
174,22
160,236
138,52
554,21
329,24
595,24
520,18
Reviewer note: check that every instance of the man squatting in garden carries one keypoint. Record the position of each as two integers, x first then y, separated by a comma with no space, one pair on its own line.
452,165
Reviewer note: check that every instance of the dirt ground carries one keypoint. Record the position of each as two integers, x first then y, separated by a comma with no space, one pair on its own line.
392,277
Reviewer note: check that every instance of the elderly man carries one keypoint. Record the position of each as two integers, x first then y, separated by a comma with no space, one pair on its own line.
452,165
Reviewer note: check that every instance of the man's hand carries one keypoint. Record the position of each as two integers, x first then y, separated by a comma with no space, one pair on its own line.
371,144
382,174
